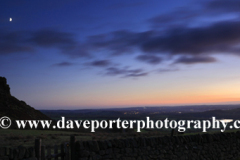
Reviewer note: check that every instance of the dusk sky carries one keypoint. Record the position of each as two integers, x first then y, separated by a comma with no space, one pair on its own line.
75,54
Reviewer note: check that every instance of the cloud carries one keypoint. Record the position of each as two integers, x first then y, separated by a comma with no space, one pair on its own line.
125,72
224,6
6,48
199,14
63,64
195,59
53,38
162,70
64,41
151,59
180,17
217,38
13,42
118,42
100,63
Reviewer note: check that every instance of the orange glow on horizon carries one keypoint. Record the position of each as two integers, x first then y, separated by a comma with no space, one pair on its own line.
201,100
178,102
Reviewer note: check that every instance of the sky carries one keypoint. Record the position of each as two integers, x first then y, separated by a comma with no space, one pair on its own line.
77,54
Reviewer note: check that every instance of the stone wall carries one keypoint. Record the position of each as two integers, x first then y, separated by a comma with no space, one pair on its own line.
222,146
17,153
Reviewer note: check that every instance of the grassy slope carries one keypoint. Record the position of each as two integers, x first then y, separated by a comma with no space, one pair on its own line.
14,137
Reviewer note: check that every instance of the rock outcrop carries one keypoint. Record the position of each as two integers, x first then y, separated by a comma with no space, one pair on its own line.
14,108
4,88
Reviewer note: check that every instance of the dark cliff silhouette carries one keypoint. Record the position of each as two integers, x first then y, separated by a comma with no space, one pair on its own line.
14,108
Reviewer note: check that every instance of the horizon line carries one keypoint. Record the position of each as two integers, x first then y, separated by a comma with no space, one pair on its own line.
188,105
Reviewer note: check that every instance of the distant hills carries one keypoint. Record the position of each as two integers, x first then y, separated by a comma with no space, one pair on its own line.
180,112
16,109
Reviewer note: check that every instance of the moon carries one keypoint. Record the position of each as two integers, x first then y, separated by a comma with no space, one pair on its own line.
10,19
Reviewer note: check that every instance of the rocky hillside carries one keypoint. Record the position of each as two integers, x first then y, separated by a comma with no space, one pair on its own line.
14,108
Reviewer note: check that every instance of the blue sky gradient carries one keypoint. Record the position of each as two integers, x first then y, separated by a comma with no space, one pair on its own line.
91,54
